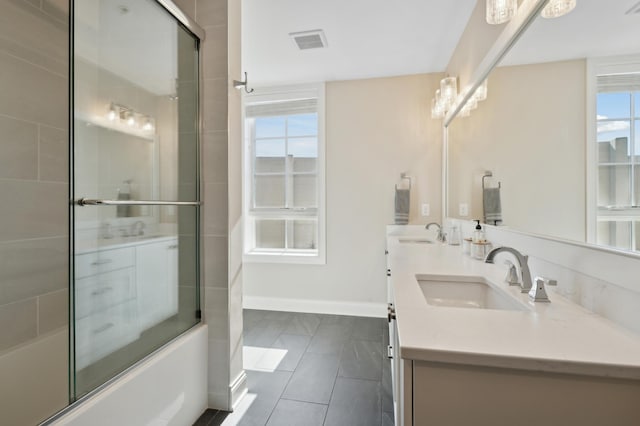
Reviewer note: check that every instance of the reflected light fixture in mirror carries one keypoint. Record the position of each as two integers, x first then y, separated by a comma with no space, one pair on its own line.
437,108
448,90
481,92
500,11
445,97
557,8
111,115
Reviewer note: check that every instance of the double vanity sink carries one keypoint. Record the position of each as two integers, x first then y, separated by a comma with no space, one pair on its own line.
464,340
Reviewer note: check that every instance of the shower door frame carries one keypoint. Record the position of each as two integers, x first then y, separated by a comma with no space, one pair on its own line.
199,34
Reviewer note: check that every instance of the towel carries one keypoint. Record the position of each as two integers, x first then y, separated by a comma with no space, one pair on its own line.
492,206
403,197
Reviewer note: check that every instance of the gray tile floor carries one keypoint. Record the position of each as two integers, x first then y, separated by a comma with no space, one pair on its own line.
311,369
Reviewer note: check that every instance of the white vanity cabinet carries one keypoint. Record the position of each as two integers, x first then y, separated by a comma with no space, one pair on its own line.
157,281
547,363
120,292
105,303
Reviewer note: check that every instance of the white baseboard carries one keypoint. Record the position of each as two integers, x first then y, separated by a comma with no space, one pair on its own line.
238,389
360,309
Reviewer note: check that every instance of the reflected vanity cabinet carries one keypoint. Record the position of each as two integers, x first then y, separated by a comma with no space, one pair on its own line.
121,292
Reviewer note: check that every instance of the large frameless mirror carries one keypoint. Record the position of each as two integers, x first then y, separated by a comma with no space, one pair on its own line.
558,132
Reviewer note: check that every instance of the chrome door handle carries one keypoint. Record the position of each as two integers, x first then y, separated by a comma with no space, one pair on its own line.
97,202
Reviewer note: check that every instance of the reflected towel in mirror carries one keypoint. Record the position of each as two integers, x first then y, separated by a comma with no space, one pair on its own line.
492,205
402,202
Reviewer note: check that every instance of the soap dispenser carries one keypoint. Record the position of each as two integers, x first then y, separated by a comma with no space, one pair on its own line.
478,234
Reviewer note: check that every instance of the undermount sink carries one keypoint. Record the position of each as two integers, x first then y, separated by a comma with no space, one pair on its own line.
472,293
414,240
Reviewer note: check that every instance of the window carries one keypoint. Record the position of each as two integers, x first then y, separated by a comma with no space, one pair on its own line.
284,175
618,160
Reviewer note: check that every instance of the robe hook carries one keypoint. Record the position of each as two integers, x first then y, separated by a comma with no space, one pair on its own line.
238,84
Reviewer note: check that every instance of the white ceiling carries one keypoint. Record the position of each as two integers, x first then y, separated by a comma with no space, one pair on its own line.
594,28
366,38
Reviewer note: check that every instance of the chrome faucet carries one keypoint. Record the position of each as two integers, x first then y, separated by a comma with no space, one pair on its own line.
525,274
440,235
137,229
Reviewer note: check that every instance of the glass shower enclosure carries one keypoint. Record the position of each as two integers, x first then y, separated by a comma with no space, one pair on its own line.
99,170
135,185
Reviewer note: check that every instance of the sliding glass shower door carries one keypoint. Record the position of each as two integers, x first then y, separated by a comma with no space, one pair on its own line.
135,185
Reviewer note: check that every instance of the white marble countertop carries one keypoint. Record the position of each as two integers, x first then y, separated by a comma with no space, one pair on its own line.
559,337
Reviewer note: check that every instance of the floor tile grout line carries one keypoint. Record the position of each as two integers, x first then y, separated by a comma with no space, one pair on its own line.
303,401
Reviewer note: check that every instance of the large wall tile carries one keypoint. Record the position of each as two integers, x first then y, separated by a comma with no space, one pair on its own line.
215,261
38,34
54,154
53,311
214,114
211,12
214,53
214,152
33,267
22,317
187,6
32,93
215,312
33,210
215,209
18,149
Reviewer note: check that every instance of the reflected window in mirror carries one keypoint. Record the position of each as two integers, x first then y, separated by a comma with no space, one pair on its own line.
618,160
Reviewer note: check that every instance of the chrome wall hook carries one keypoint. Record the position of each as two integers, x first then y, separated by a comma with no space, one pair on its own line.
238,84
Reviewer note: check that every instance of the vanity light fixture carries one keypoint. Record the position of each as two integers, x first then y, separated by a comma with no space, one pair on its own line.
481,92
557,8
448,90
445,97
500,11
120,116
437,109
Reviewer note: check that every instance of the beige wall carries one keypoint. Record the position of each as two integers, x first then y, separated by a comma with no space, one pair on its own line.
475,42
375,130
533,140
221,169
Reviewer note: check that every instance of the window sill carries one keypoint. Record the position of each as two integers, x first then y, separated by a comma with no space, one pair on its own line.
280,257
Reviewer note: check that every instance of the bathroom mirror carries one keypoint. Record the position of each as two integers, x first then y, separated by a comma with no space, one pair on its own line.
559,141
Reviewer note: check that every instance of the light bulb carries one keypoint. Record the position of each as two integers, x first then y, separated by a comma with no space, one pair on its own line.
472,103
557,8
131,121
500,11
436,109
148,125
448,91
111,115
481,91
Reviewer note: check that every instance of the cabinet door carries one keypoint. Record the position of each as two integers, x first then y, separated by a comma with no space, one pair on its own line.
156,277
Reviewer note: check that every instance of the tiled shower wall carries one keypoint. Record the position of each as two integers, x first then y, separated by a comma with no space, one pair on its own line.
222,281
34,193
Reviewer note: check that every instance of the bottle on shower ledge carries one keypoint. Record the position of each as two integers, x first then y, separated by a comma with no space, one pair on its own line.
124,193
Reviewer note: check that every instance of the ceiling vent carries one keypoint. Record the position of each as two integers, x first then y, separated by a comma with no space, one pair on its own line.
635,9
313,39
